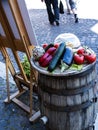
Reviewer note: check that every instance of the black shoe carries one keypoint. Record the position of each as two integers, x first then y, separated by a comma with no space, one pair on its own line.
76,18
57,22
52,23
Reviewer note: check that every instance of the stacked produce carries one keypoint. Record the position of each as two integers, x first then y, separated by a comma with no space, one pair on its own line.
60,55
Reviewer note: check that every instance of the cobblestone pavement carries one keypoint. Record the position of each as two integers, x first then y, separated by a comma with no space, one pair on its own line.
11,116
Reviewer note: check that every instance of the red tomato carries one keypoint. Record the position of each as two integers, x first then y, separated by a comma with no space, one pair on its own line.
81,50
90,57
56,45
78,59
44,45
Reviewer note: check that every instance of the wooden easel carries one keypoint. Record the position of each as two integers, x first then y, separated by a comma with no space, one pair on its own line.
22,44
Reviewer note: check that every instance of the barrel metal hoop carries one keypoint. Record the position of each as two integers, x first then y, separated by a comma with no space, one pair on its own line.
67,92
67,108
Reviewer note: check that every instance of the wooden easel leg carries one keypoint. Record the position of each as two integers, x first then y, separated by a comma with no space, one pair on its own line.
36,115
31,91
7,80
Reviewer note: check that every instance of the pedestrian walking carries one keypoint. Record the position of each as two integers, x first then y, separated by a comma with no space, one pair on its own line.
53,11
68,7
72,7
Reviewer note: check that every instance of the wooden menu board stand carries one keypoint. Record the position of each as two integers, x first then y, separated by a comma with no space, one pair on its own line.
17,34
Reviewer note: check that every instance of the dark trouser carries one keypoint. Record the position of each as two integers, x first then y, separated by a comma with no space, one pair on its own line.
72,4
52,15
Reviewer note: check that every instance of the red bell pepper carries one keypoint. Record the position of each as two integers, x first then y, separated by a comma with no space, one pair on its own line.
47,61
56,45
47,57
90,57
44,45
78,59
81,51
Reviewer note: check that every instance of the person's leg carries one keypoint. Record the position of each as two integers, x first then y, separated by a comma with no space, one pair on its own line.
49,11
74,10
68,7
56,10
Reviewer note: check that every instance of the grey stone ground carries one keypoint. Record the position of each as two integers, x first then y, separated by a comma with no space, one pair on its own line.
11,116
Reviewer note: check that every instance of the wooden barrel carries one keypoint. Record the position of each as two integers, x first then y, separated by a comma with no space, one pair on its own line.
68,100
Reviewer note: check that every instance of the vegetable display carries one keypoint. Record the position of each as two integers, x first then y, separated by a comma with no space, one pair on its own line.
58,55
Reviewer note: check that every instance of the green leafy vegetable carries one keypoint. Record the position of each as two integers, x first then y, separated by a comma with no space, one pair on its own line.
26,66
76,67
